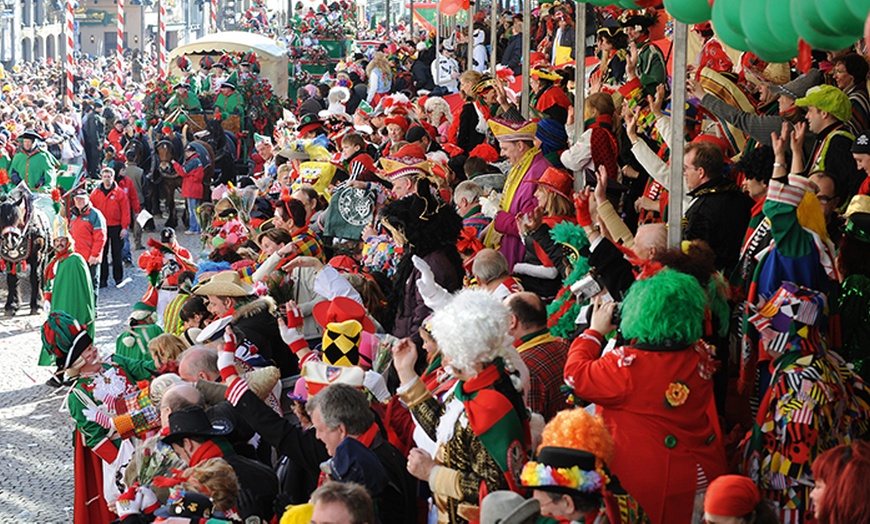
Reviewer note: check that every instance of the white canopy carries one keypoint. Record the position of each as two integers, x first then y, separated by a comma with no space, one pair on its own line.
271,55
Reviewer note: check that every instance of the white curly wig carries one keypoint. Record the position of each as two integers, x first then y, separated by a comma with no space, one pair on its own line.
438,108
473,328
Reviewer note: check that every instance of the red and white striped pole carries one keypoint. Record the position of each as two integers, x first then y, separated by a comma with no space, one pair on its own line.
120,45
161,39
214,8
69,32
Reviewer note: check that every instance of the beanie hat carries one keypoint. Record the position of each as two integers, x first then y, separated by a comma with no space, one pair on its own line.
552,135
731,496
665,310
861,145
147,306
65,338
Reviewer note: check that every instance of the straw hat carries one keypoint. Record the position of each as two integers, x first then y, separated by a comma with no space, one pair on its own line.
225,284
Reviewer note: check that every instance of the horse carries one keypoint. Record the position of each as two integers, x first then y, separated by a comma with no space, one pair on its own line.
223,145
165,179
25,243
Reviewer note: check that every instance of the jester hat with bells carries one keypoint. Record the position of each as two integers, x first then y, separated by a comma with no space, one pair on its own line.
65,338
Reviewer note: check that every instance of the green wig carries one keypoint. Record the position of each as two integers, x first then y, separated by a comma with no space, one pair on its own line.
665,310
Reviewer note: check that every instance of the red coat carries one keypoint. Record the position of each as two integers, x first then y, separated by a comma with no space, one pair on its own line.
132,196
113,205
658,445
88,230
192,174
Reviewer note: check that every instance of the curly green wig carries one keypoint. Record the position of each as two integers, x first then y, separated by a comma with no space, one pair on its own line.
665,310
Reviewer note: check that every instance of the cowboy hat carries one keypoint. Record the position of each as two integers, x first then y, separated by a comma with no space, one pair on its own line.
225,284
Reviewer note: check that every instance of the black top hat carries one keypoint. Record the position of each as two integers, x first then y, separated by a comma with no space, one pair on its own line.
29,134
181,85
193,422
228,84
566,458
309,122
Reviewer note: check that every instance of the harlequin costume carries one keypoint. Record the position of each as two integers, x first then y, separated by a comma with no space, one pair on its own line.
68,288
103,393
656,395
481,428
813,401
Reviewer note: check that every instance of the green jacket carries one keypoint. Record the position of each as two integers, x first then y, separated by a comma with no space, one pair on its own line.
191,102
36,167
650,67
69,289
229,105
132,343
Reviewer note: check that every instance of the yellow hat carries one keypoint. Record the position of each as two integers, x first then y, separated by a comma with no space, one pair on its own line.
858,204
59,228
398,167
512,130
544,73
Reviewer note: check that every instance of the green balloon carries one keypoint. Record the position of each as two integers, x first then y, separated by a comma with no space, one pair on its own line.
758,36
731,13
688,11
808,12
723,30
779,23
836,13
820,40
773,55
859,8
626,4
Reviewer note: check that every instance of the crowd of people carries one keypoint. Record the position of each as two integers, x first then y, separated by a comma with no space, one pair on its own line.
420,305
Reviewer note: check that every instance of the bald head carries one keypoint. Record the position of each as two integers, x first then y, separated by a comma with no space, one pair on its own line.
649,240
489,267
198,363
177,398
528,313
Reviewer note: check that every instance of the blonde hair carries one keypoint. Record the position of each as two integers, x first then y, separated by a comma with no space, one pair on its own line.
811,216
165,348
379,61
473,77
215,478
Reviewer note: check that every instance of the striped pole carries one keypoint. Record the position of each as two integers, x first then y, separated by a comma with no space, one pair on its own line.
69,32
161,38
214,8
120,44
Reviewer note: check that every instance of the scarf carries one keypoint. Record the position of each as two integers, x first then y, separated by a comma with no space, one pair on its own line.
515,177
533,339
208,450
493,419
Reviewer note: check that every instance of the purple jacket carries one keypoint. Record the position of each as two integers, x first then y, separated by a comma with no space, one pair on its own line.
524,201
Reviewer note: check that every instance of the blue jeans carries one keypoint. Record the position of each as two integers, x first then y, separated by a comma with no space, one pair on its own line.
126,254
191,208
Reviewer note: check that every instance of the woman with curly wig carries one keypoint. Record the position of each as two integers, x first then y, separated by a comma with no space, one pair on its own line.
427,227
481,430
438,114
655,393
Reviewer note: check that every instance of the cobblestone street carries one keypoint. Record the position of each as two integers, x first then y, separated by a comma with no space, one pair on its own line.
36,454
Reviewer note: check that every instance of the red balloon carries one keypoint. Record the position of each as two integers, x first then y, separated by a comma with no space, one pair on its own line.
450,7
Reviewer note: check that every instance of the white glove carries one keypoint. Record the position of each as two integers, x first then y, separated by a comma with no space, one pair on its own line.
434,296
46,306
227,358
142,501
375,383
95,414
490,205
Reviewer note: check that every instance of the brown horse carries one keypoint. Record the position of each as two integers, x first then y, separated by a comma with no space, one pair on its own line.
169,181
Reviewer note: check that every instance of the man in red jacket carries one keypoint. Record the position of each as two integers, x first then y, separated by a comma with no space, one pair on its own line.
192,173
112,202
88,229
